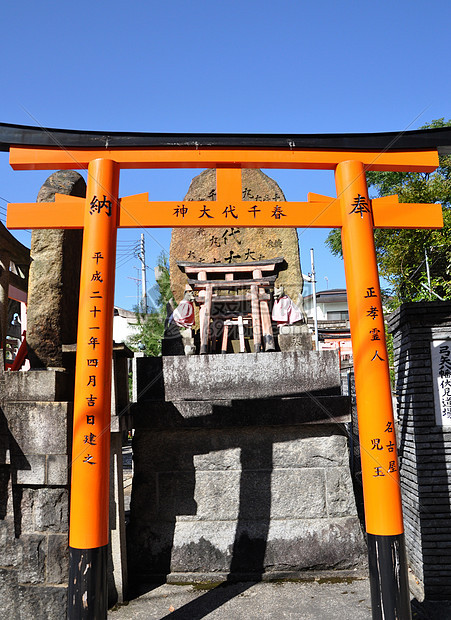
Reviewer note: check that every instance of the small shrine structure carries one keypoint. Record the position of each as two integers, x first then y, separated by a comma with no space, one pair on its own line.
213,280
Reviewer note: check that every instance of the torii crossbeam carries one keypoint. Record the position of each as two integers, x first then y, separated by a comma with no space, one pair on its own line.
103,212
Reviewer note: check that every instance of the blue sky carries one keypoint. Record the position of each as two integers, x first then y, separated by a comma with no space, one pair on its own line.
247,66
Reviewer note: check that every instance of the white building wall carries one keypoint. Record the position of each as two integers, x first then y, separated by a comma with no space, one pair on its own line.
324,308
340,306
123,328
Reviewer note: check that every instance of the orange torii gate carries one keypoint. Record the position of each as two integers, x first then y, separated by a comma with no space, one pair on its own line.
102,212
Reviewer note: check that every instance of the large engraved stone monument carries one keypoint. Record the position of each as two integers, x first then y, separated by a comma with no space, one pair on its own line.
236,245
242,246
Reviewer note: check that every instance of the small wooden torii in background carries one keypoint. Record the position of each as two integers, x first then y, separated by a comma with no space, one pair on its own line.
255,283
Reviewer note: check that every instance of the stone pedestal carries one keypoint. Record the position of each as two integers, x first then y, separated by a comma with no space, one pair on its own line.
250,375
294,338
235,484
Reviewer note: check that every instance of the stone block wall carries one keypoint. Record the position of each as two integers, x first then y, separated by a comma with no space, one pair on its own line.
34,494
424,447
243,502
35,436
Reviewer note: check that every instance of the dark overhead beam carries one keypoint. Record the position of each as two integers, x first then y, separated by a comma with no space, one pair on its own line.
420,139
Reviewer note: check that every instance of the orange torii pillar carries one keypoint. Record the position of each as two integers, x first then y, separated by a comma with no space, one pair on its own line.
100,215
380,470
88,544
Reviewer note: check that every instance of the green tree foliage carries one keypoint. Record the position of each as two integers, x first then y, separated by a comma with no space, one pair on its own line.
150,330
401,253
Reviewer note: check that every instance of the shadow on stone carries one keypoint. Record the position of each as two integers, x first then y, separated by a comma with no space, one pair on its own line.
4,465
12,459
249,547
4,482
211,600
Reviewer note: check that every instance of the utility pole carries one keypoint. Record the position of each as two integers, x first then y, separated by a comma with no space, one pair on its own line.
142,258
315,311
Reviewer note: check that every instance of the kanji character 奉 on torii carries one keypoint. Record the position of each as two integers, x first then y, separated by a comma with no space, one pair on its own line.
103,212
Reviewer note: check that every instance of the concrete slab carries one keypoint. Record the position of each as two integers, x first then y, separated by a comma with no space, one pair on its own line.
318,599
347,600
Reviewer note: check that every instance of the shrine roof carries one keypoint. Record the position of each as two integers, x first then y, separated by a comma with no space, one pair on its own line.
19,254
420,139
248,266
329,296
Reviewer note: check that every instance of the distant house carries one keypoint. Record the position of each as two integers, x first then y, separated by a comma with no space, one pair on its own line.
124,324
14,268
333,321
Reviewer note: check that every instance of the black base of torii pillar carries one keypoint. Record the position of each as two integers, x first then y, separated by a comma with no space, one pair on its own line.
88,589
389,581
